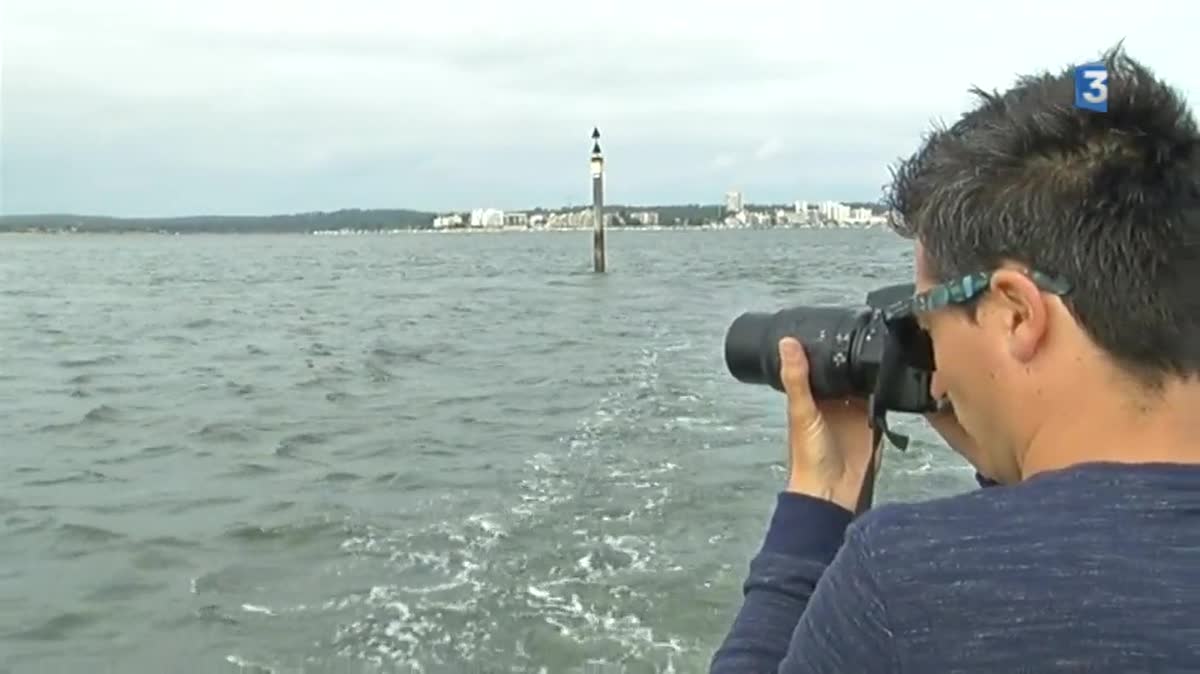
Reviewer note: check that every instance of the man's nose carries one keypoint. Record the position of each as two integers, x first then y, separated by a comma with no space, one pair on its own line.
936,390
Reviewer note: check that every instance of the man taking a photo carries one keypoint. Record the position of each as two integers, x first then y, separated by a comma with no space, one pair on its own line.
1057,264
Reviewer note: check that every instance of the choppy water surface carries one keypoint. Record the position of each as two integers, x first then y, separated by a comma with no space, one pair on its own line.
400,453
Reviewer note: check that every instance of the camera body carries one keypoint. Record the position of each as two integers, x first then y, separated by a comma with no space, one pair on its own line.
853,352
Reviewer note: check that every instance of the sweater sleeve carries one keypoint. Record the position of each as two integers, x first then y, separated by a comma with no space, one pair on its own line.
845,626
810,603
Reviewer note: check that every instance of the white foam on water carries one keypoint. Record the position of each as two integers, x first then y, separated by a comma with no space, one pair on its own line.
242,663
459,584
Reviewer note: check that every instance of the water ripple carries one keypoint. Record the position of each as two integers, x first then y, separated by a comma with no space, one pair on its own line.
284,453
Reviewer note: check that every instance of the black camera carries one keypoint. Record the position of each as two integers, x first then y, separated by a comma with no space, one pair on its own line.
876,352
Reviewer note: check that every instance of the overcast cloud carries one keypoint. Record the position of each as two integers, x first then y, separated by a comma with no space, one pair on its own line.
169,107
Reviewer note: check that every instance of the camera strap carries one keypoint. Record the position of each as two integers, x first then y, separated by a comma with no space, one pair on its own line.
879,429
866,495
877,418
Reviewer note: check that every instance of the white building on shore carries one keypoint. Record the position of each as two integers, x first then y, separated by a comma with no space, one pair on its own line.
735,202
487,217
448,221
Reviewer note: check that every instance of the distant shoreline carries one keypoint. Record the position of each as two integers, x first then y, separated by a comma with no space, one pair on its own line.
577,230
460,231
618,218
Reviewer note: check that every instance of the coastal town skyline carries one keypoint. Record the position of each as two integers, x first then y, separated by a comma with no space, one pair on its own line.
733,212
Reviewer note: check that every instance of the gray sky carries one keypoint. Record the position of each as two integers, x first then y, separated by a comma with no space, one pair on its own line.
170,107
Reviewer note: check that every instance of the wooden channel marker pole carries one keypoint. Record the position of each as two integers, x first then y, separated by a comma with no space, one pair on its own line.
597,203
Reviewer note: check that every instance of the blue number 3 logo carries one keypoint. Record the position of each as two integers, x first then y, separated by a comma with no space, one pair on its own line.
1091,87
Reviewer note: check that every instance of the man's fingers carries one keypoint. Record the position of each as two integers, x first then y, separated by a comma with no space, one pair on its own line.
794,374
793,365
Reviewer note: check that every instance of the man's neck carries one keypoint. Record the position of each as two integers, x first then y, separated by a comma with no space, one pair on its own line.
1107,427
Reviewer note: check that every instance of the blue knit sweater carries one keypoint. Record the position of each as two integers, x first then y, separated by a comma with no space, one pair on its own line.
1094,568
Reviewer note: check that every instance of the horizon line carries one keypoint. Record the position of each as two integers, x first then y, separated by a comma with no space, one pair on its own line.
748,205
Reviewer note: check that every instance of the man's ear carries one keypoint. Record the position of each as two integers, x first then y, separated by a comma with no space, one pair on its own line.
1019,308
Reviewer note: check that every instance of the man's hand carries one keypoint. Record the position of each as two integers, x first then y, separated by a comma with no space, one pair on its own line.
829,443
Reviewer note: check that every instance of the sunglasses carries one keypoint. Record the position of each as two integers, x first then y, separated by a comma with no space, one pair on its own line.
963,290
901,315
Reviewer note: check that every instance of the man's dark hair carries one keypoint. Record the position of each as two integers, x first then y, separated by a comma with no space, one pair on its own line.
1108,200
